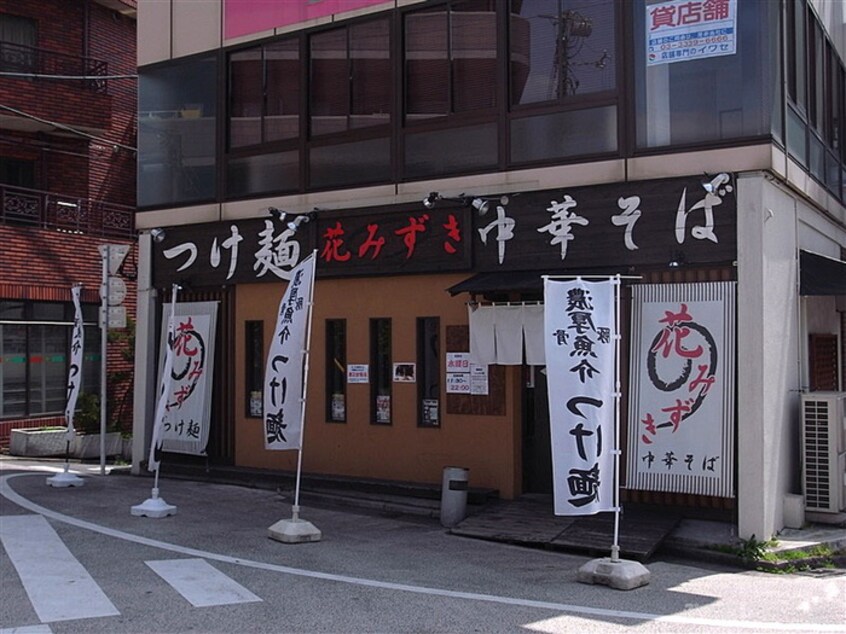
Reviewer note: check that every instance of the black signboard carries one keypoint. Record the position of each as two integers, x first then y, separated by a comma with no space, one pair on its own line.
627,224
692,220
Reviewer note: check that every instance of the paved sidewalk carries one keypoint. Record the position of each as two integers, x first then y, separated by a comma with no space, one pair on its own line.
693,539
372,572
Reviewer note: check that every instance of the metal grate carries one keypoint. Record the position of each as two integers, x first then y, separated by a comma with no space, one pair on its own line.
817,443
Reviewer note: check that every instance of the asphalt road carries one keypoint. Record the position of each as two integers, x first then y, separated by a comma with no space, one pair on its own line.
76,560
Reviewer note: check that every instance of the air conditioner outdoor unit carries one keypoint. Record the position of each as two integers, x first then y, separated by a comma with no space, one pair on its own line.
824,451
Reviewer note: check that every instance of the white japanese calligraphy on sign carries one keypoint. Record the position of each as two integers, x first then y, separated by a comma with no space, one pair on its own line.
75,368
284,406
504,231
186,247
186,418
714,192
579,335
276,253
230,243
562,220
628,218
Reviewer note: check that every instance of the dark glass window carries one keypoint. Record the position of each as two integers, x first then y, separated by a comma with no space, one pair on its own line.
560,49
351,79
380,371
176,133
34,355
816,54
17,30
246,97
18,37
795,41
714,98
352,163
563,134
262,173
17,173
450,150
336,370
254,371
562,55
450,59
428,372
282,89
264,94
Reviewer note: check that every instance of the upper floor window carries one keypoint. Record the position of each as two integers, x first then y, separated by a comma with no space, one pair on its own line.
795,43
18,36
694,96
351,82
561,49
264,94
17,173
450,59
176,132
17,30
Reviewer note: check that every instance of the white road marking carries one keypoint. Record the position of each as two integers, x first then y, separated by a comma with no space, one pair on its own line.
59,587
28,629
201,583
7,492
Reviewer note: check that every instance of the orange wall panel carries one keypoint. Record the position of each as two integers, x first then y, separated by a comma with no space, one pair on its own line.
487,445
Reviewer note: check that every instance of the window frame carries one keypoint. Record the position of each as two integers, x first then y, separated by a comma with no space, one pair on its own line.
253,374
30,323
381,369
466,117
428,365
332,369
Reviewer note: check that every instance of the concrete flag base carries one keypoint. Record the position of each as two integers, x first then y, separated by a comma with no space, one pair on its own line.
620,574
154,507
294,530
65,479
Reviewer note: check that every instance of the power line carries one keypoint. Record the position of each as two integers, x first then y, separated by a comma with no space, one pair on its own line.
67,128
83,77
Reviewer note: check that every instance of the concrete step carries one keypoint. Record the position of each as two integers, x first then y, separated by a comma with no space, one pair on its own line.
405,505
419,498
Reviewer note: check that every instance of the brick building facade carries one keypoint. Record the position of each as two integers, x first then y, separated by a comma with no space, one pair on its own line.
67,186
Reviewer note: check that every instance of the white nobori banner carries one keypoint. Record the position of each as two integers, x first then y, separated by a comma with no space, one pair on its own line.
284,371
579,334
187,407
75,368
682,404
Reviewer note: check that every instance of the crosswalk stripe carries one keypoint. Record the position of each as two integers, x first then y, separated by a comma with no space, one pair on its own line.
58,586
201,583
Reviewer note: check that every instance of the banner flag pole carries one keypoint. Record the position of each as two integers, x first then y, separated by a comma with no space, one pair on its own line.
65,478
294,530
617,573
154,506
306,357
615,546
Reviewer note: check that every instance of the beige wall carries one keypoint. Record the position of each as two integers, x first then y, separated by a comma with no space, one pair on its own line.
487,445
176,28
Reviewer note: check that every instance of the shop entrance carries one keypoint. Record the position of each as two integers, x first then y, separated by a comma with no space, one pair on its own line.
537,452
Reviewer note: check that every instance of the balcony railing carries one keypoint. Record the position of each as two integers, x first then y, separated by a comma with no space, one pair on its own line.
47,210
16,58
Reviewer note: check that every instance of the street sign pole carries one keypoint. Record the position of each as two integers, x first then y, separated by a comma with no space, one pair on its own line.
112,256
105,253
